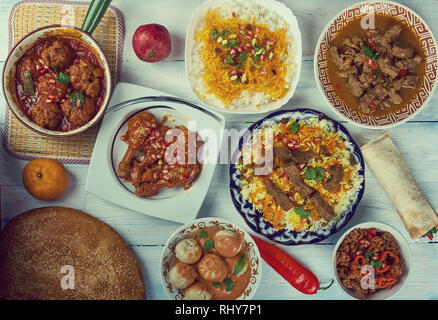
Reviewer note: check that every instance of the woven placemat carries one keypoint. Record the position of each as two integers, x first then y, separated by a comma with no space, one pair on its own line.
29,15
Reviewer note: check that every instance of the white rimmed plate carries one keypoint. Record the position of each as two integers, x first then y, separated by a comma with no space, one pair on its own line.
175,204
168,255
277,7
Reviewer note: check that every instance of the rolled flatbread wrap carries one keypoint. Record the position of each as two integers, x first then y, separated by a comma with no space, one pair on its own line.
392,172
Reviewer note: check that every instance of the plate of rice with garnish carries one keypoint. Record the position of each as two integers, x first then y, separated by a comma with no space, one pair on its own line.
243,56
297,176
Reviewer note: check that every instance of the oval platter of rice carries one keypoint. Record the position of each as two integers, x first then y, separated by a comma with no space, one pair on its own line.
297,176
243,56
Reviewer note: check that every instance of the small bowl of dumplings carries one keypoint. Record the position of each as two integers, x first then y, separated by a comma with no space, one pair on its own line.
210,259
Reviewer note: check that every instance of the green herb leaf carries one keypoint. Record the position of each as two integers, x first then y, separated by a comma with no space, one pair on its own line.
55,68
310,173
376,264
209,244
256,58
63,77
242,57
213,34
27,82
369,52
75,96
203,234
229,59
232,43
431,232
294,127
225,33
368,255
229,284
304,214
319,173
216,284
240,265
316,173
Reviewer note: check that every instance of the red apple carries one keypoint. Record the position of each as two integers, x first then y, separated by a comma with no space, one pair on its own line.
151,42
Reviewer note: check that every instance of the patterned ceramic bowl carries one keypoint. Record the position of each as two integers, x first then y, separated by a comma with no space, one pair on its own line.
254,218
168,256
428,42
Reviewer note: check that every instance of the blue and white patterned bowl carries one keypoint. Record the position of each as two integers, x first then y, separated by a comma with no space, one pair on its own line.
254,218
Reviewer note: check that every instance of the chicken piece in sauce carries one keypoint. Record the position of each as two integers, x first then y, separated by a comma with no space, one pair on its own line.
145,163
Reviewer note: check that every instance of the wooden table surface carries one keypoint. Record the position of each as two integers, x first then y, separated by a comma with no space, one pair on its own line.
416,140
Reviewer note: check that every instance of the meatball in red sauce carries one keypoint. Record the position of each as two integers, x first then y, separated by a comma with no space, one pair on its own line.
78,112
58,54
46,114
86,77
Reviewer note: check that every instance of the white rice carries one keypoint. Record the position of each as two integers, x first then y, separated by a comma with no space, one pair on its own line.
247,10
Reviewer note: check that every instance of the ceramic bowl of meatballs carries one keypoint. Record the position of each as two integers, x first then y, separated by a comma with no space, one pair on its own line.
376,64
372,261
210,259
57,81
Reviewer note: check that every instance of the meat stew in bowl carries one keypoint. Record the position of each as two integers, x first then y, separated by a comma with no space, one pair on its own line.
60,83
376,71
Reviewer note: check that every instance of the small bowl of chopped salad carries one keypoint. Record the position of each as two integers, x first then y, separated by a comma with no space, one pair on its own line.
243,56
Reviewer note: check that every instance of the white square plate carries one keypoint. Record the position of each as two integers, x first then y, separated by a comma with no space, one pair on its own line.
174,204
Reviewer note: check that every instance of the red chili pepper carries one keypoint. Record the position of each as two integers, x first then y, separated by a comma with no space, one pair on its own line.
402,73
290,269
371,63
372,231
371,44
385,282
358,262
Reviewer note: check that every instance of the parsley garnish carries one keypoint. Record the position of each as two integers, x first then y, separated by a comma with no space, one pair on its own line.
209,244
294,127
369,52
216,284
55,68
232,43
368,255
229,59
74,96
316,173
303,213
224,33
229,284
242,57
213,34
63,77
203,234
376,264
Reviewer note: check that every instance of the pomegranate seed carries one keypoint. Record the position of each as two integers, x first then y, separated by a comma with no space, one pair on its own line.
155,175
37,66
376,257
250,32
317,139
76,61
301,166
48,101
291,145
78,103
358,253
239,49
52,81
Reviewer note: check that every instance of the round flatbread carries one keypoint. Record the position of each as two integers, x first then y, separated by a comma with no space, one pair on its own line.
63,253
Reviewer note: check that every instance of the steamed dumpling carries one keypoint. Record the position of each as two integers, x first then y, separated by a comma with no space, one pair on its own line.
228,243
198,291
212,268
188,251
181,275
